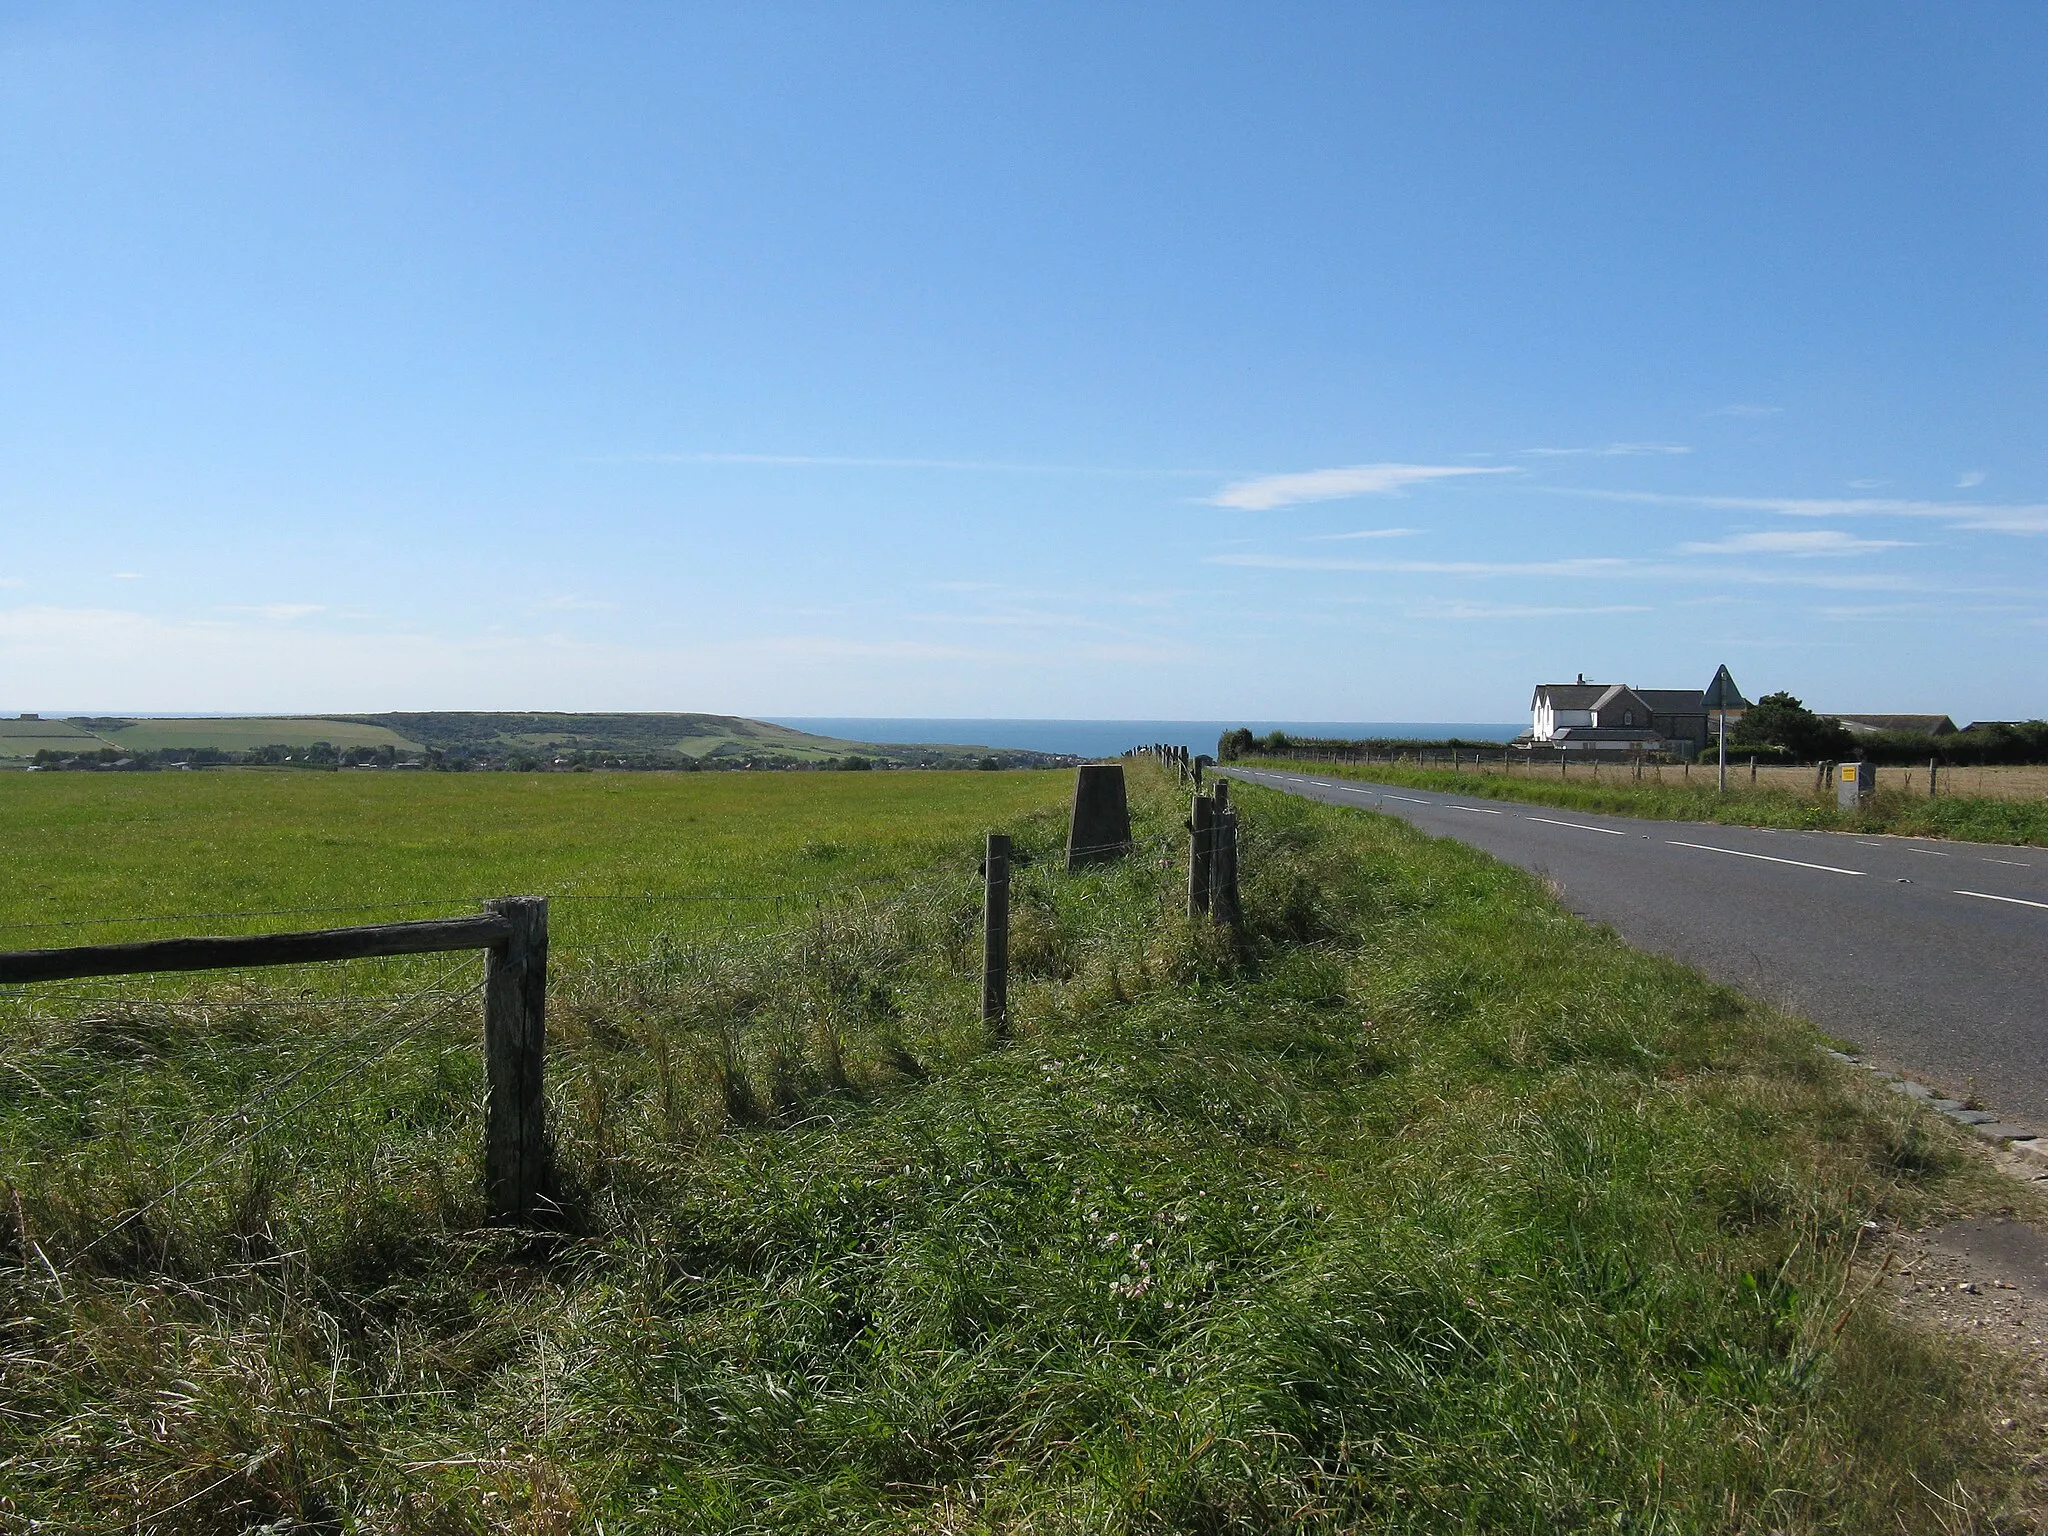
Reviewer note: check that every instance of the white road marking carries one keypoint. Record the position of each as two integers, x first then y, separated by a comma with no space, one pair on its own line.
2016,901
1410,799
1580,825
1478,810
1861,844
1767,858
2015,863
1932,853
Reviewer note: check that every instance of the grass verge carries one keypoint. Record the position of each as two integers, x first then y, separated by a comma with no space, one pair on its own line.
1965,818
1431,1208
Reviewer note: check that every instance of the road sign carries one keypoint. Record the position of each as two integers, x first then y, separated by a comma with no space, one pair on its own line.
1722,694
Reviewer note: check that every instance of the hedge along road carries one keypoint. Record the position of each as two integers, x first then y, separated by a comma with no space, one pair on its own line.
1931,957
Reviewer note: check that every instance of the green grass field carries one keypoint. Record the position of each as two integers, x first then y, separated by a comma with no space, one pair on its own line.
25,738
1966,818
93,852
241,733
1429,1208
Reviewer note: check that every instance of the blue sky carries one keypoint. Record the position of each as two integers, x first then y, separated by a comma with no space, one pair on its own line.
1315,362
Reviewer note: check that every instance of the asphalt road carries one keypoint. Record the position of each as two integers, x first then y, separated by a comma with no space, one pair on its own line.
1931,957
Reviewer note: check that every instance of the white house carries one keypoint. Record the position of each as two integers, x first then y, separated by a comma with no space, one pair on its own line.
1613,717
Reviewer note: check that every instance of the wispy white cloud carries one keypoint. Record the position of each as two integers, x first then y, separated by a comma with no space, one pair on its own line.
850,461
1969,478
570,602
1588,568
1599,565
1793,541
1022,619
1264,493
2011,517
280,612
113,661
1612,451
1363,533
1741,411
1470,611
1842,612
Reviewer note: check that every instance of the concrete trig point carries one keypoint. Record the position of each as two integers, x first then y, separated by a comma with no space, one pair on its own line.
1100,829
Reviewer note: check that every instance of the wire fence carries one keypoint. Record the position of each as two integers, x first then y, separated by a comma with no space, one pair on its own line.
151,1083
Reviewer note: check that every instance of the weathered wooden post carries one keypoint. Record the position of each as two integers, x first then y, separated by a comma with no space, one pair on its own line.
1201,830
1752,771
1099,830
517,1177
1223,902
1933,772
995,936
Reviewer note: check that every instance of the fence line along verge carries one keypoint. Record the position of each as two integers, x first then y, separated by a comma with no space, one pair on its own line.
432,936
514,934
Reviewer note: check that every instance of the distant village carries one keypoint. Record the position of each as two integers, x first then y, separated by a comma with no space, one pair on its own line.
1596,717
1595,720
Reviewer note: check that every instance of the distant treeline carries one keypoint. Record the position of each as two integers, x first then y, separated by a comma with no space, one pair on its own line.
325,757
1986,745
1773,732
1242,742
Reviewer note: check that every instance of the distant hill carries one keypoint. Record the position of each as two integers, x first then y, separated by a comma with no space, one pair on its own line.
715,738
500,739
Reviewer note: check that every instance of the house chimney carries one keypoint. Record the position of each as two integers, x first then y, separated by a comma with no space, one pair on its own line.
1582,679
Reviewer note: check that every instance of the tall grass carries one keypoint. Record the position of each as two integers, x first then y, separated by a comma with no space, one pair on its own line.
1427,1208
1966,818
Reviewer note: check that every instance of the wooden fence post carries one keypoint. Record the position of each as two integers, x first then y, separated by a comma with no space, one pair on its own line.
516,1173
1201,827
1933,775
1223,902
995,936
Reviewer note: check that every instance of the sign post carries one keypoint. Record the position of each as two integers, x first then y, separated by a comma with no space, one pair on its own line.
1722,696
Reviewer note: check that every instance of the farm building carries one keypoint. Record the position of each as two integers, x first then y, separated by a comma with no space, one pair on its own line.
1613,717
1873,725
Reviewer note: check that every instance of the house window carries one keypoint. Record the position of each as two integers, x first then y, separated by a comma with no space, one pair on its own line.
1628,717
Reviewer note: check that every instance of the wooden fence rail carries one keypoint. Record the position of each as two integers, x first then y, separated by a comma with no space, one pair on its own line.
513,932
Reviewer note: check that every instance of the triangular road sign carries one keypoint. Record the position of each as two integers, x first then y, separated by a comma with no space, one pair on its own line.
1723,694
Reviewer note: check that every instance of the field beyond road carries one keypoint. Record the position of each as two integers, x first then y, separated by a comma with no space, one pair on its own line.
1426,1208
1783,797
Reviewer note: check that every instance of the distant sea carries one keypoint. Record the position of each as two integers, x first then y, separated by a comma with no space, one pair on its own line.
1106,738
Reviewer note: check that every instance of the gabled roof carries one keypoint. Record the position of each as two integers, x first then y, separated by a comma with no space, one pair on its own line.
1674,701
1593,696
1923,725
1572,695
